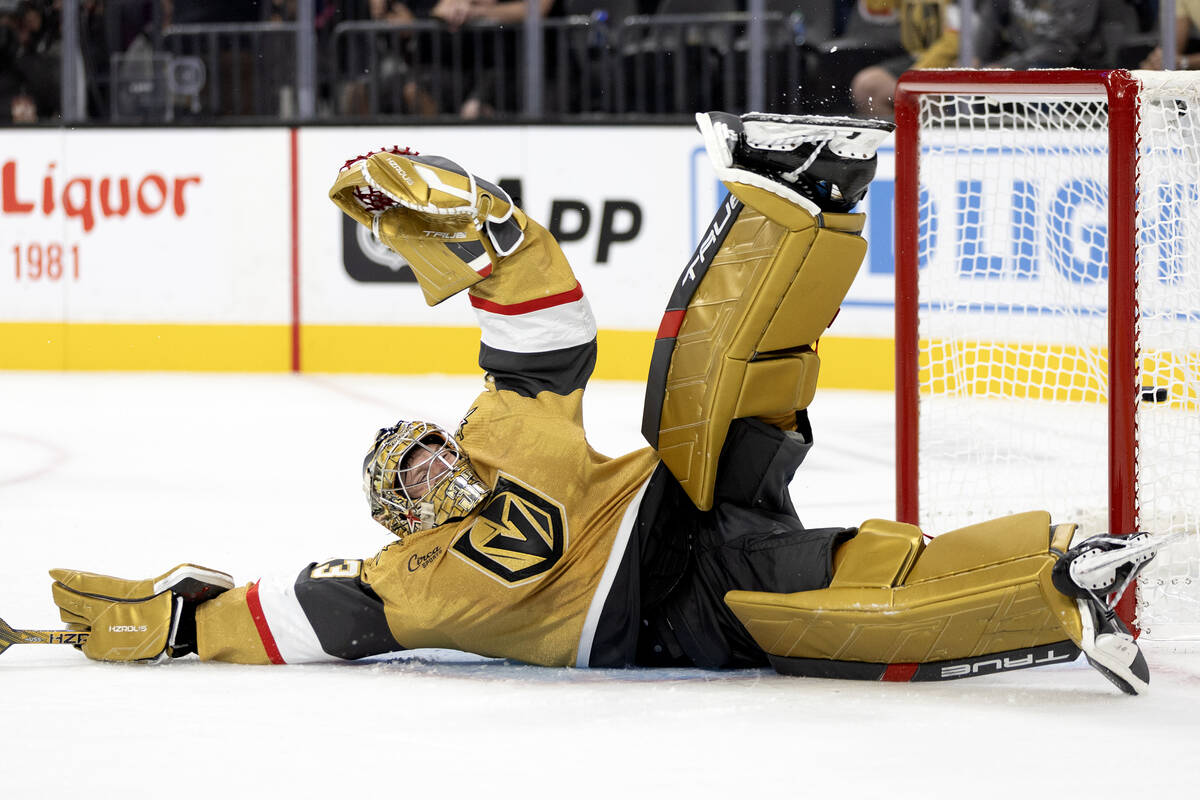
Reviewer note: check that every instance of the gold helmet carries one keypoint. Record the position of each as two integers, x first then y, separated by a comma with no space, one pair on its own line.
416,477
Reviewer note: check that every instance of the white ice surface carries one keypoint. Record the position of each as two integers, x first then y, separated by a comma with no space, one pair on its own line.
130,474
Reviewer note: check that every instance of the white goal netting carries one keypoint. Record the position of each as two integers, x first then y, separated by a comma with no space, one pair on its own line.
1013,319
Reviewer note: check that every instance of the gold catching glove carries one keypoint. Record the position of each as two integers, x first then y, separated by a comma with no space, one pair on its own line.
450,226
136,620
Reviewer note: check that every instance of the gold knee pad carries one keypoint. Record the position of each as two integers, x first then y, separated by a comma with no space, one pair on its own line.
980,590
742,344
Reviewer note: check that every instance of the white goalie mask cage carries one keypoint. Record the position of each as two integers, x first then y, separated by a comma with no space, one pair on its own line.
416,477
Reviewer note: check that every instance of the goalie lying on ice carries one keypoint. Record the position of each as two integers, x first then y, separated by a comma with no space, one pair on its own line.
515,539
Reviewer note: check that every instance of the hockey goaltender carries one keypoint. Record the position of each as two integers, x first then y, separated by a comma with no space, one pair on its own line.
515,539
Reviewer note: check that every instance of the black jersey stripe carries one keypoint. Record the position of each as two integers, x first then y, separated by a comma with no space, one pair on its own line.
346,615
558,371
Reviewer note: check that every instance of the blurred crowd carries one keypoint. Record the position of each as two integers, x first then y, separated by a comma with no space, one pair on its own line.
157,60
30,60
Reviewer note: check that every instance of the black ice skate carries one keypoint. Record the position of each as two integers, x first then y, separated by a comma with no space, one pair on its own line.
1098,568
826,161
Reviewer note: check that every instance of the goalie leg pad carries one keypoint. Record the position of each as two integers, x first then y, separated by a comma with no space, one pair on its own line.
980,591
737,337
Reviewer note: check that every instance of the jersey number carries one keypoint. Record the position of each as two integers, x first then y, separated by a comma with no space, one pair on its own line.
338,568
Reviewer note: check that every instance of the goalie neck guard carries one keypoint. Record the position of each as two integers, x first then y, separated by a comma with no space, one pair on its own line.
416,477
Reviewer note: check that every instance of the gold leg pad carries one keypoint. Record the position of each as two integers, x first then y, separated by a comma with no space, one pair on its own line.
846,223
880,554
785,383
768,295
781,212
977,591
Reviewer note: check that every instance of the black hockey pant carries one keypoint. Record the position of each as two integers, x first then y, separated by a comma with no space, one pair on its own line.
751,539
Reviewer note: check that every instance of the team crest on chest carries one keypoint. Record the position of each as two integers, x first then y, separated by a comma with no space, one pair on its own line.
520,534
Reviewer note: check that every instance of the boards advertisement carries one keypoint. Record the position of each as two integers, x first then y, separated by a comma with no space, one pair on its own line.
218,249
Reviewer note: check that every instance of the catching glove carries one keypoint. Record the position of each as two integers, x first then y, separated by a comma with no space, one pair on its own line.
450,226
136,620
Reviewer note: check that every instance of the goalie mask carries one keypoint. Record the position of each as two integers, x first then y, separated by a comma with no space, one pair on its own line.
416,477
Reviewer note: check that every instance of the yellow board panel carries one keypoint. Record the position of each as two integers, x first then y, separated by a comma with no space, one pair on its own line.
857,363
389,349
846,363
199,348
624,355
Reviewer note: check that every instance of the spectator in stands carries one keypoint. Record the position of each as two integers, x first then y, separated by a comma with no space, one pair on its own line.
403,65
30,61
1187,20
188,12
455,13
235,70
11,110
842,9
1033,34
393,59
929,32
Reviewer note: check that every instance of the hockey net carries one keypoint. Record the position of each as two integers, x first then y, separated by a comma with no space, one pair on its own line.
1048,310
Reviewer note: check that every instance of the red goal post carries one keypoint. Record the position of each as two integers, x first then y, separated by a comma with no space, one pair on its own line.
1045,325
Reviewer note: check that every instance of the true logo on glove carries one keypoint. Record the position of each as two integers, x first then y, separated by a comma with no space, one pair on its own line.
126,628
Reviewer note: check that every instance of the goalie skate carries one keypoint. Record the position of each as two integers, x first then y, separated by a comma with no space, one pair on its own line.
1104,564
1092,571
821,163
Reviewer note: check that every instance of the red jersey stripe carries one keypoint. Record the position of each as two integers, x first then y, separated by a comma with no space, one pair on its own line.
260,622
536,304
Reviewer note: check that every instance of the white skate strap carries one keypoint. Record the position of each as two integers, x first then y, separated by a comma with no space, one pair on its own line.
1095,569
846,137
718,142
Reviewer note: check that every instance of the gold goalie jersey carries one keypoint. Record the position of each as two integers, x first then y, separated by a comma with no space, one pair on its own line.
527,575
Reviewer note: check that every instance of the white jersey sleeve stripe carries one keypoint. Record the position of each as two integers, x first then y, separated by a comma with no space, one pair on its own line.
293,633
555,328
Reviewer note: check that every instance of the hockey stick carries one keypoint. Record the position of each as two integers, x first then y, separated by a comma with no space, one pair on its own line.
10,636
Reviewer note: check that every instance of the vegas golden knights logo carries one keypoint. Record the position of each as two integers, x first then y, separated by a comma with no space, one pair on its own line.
519,535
